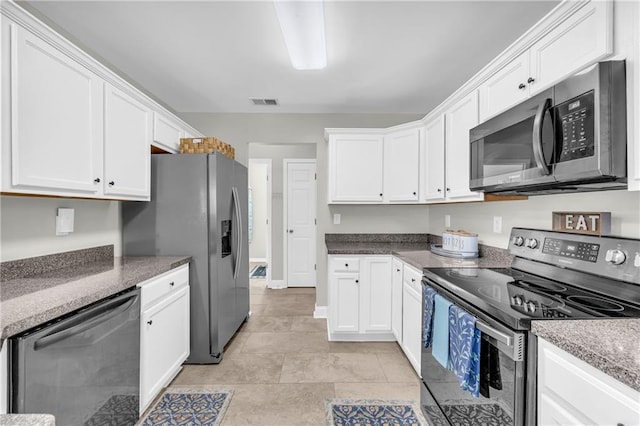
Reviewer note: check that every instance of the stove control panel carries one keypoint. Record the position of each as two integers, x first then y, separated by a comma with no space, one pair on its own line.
612,257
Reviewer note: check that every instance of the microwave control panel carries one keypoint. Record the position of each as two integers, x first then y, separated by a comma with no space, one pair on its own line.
575,120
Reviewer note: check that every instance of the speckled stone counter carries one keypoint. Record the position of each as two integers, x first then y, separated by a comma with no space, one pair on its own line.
612,345
27,420
30,301
412,249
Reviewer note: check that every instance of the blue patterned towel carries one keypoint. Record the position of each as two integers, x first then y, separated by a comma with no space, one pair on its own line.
440,349
428,300
464,349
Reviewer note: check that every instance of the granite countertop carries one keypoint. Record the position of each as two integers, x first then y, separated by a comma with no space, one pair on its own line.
611,345
412,249
33,300
27,420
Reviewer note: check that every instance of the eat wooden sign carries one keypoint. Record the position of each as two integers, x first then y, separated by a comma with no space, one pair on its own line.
589,223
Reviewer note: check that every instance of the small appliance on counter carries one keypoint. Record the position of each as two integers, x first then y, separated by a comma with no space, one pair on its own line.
457,244
554,276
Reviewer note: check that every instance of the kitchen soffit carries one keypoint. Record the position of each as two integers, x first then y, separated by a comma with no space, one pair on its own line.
210,56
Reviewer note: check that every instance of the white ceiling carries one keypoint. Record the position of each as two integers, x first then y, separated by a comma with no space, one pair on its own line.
211,56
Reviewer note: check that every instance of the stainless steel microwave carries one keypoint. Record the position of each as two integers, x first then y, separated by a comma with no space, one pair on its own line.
571,137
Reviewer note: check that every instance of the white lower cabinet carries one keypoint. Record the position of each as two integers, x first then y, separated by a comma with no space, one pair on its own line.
572,392
360,298
412,316
164,331
396,299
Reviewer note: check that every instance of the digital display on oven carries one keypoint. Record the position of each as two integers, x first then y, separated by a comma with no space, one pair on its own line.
571,249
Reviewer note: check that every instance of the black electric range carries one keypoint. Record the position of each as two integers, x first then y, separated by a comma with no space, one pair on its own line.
553,276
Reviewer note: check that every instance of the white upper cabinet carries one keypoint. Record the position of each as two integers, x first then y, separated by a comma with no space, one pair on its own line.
56,113
167,133
355,168
583,38
434,189
70,126
127,136
460,118
401,170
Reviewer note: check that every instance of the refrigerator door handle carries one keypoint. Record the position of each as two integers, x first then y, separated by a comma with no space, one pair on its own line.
236,203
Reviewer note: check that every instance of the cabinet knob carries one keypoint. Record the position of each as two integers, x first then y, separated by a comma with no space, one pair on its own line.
111,183
413,280
96,180
172,283
397,270
346,265
620,424
521,86
357,281
448,189
150,322
381,194
414,193
531,80
439,190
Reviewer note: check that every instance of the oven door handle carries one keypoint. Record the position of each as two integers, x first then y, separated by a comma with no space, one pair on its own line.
538,122
492,332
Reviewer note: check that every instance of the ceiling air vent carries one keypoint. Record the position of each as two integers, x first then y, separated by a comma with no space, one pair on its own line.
262,101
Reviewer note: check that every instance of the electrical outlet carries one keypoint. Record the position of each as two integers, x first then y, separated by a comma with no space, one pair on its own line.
497,224
447,220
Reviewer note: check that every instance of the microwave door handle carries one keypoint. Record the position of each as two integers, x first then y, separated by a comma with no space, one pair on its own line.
538,155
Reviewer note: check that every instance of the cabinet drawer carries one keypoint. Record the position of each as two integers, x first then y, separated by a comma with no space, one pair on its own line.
582,389
345,264
412,277
157,287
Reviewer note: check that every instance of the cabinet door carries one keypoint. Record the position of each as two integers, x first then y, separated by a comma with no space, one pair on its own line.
584,38
166,133
375,294
344,302
434,152
164,343
355,168
401,171
56,120
127,139
505,88
396,299
460,118
411,325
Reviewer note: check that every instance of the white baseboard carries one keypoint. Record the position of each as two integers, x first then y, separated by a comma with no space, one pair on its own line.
258,259
276,284
320,312
362,337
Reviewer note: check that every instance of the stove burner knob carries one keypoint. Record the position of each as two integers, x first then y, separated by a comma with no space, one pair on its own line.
615,257
530,307
517,300
636,261
518,241
531,243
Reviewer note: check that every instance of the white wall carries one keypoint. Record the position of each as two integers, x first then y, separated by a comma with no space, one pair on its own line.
27,226
536,213
280,129
258,185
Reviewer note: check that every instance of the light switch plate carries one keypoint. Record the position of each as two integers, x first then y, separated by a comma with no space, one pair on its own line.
64,221
447,220
497,224
336,218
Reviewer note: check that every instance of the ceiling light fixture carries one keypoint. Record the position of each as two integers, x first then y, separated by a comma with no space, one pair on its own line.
302,24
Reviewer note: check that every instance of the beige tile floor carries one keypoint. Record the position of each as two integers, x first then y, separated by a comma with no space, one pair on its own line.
282,367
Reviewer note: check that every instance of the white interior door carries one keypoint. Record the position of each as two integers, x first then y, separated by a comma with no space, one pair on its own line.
300,223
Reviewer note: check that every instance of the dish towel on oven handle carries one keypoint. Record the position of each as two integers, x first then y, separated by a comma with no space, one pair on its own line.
428,300
440,349
464,349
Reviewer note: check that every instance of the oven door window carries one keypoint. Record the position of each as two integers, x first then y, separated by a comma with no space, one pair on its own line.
499,382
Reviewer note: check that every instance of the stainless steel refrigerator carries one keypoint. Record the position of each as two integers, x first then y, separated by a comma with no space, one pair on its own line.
199,208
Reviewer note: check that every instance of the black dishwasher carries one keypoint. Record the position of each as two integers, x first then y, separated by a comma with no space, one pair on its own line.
83,368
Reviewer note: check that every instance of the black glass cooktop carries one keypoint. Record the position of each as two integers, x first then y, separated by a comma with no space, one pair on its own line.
522,297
